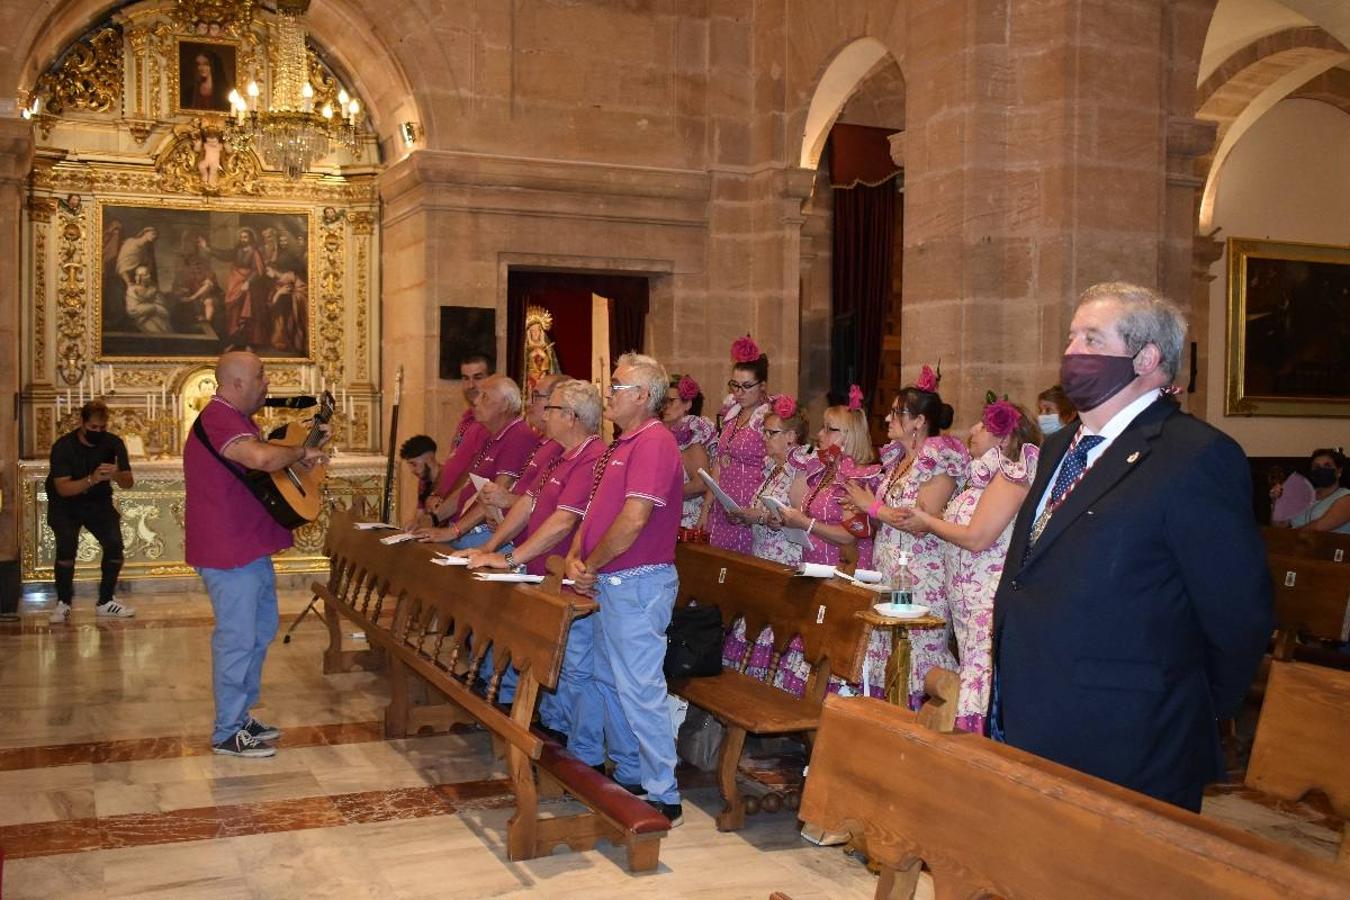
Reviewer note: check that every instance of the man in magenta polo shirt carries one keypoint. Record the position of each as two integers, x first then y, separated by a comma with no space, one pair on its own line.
544,455
230,539
541,521
469,437
624,553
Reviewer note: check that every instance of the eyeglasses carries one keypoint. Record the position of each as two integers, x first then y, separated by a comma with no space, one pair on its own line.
833,428
772,432
615,387
742,385
897,411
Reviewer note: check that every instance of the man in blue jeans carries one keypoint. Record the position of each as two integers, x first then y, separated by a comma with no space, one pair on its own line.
230,539
624,554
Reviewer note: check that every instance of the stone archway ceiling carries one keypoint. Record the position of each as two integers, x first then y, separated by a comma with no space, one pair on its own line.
849,68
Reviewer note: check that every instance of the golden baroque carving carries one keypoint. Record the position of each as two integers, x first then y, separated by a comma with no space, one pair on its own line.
40,299
362,305
330,306
86,180
71,298
195,158
325,86
89,76
214,17
140,129
41,209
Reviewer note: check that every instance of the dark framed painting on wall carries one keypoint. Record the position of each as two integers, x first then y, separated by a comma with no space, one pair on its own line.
1288,329
180,283
466,331
206,75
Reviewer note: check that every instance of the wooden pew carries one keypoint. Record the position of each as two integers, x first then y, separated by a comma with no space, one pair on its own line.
823,612
990,820
1302,738
1311,544
1312,600
434,625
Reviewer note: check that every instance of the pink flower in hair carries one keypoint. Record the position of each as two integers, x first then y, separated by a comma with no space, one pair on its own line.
1000,418
687,388
855,398
784,406
744,350
928,380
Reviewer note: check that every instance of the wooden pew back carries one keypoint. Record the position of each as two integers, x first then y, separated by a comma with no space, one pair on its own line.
989,819
1310,544
1303,735
1312,597
822,612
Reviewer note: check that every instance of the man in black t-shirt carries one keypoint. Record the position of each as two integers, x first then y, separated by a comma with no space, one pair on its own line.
79,495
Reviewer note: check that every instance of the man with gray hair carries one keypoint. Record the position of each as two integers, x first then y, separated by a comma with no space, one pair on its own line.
1134,604
624,554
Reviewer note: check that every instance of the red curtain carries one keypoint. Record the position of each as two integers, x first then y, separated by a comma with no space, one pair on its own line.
567,296
860,155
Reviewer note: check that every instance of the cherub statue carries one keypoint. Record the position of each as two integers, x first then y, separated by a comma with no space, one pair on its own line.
208,146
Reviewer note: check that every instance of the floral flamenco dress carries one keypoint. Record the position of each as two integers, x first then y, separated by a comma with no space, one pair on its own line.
939,455
740,460
972,580
825,496
688,431
775,547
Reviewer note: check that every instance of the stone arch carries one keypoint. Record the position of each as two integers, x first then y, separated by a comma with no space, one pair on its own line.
841,77
1249,83
348,36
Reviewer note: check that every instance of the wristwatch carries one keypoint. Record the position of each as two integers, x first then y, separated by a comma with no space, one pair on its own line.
510,561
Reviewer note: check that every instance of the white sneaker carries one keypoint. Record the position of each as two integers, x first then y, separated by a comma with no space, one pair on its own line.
115,610
60,613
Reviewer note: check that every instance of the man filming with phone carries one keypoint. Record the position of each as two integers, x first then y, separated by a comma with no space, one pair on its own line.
84,464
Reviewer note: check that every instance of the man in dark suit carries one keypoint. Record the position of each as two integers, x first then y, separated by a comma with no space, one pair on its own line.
1135,604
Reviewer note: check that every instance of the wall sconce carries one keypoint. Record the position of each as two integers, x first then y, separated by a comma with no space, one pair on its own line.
410,132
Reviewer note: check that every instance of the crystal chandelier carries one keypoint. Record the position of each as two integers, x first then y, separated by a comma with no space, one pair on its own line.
289,134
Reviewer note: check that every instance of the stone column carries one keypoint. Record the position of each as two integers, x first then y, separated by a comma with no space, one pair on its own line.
16,152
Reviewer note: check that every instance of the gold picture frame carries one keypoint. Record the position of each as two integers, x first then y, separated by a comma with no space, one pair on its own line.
188,324
222,57
1288,329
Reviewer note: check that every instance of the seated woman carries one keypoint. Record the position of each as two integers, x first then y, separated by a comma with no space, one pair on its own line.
1330,510
696,438
975,529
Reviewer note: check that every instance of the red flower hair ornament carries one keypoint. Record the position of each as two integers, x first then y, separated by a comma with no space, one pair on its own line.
928,379
855,398
744,350
1000,418
784,406
687,388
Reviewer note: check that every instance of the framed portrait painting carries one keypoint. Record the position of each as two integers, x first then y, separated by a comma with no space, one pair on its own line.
1288,329
180,283
206,74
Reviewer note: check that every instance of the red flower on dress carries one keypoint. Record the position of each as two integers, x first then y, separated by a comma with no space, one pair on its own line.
928,380
855,398
1000,418
688,388
784,406
744,350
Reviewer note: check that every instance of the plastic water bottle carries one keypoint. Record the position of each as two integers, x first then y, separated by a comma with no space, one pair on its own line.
902,594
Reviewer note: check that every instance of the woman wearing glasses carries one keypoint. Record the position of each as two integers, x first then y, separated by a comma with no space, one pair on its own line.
739,466
933,468
697,439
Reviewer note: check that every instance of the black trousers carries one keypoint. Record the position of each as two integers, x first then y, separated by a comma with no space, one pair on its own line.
105,525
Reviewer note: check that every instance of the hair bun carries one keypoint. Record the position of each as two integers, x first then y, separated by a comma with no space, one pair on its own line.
946,415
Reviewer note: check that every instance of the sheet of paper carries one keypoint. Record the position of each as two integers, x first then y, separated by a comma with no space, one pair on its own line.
722,496
817,570
797,536
373,526
443,560
867,576
515,577
479,482
398,538
774,505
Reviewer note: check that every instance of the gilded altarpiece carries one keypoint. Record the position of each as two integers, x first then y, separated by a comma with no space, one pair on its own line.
113,136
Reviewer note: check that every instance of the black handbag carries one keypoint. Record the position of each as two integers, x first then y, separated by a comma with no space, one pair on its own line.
694,642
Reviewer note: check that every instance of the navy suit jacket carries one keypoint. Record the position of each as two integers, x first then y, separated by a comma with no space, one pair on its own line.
1140,615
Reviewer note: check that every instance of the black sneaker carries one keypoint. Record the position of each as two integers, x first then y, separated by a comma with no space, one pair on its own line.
636,790
672,811
243,744
260,732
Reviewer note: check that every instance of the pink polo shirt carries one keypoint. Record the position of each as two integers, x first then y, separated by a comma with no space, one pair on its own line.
541,461
225,525
472,441
645,463
505,453
577,465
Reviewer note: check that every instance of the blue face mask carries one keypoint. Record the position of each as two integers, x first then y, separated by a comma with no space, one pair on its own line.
1049,423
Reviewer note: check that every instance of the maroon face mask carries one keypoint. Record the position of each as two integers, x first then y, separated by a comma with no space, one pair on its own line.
1089,379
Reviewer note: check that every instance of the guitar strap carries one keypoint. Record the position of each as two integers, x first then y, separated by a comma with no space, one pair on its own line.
255,487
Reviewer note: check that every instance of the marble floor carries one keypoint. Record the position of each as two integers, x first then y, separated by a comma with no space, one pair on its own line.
108,787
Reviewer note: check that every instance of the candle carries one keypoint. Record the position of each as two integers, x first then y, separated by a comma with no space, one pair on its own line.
81,392
68,406
112,380
163,396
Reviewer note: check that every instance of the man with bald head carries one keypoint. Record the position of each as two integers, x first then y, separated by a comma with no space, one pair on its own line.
230,539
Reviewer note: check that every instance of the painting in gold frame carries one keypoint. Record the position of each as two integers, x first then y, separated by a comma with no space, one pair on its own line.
204,74
1288,329
188,283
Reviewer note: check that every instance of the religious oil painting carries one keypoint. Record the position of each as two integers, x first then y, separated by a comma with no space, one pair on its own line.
206,72
192,283
1288,329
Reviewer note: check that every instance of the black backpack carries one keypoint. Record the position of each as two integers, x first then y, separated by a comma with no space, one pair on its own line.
694,642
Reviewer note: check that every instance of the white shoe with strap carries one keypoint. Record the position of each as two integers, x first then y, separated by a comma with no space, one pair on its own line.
113,609
60,613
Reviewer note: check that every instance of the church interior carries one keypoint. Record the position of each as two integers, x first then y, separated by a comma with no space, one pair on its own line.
375,198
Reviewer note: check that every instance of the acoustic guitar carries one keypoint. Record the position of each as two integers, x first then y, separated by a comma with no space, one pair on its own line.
294,495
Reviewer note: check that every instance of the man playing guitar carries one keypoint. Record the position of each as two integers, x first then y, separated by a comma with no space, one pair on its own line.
230,540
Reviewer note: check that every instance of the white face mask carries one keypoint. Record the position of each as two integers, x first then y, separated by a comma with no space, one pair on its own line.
1049,423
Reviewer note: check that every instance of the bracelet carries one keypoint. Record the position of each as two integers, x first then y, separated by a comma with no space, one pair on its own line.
457,535
874,508
811,526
